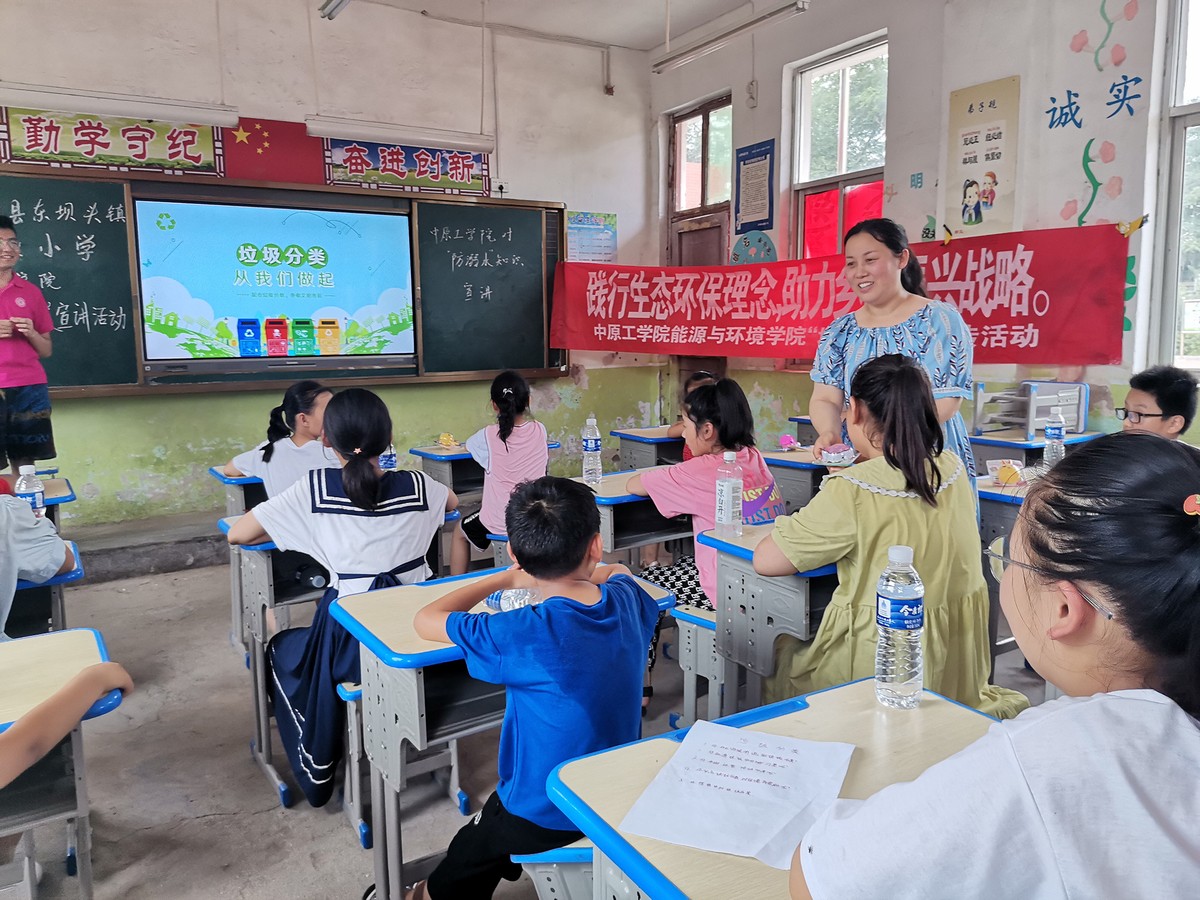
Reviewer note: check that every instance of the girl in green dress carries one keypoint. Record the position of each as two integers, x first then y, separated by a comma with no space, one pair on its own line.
906,489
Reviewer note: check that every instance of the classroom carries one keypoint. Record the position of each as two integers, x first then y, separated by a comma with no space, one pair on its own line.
527,294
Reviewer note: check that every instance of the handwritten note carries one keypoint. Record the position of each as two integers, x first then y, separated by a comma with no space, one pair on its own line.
731,790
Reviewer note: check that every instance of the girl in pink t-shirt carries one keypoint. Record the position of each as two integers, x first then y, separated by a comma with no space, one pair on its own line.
511,451
716,418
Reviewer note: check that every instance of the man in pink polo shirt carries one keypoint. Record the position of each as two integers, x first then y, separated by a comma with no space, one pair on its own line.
25,326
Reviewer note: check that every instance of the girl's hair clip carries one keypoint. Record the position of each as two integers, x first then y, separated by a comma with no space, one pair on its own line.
1191,505
506,391
357,450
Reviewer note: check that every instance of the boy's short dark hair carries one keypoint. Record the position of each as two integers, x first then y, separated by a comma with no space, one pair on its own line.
550,523
6,222
1173,389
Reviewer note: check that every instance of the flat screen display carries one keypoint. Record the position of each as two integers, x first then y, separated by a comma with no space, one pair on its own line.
225,281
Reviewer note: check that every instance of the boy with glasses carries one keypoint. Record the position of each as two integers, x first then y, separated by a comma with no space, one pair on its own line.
25,326
1161,400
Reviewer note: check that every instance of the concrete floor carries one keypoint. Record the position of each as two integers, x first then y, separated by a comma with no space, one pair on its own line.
180,811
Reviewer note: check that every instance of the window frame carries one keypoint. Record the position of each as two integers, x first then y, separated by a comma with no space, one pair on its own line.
841,183
704,110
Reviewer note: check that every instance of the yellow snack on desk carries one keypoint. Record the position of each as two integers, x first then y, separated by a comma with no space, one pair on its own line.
446,439
1009,475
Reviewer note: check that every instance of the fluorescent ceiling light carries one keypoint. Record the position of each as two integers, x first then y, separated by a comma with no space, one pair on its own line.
384,133
330,8
716,42
129,106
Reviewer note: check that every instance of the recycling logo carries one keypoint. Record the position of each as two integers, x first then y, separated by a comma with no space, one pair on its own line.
165,222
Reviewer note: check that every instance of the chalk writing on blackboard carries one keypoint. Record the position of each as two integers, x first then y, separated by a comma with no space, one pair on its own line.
463,255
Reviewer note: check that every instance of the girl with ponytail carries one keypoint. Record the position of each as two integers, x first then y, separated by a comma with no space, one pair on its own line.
907,489
513,450
293,446
1094,794
896,316
370,529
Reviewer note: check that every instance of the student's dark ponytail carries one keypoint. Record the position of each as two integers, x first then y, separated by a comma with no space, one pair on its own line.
358,426
300,398
896,392
510,393
1114,514
725,405
895,238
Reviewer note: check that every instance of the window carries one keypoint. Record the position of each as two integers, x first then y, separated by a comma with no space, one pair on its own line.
702,158
841,138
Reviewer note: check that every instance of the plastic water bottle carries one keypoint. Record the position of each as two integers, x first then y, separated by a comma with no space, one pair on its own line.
1056,432
513,598
30,489
387,459
593,468
900,617
729,497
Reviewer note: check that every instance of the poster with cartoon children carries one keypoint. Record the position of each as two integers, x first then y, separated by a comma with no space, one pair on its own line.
982,159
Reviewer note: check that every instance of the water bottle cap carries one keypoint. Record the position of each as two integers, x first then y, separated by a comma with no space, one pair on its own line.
591,420
900,554
1056,410
27,470
730,456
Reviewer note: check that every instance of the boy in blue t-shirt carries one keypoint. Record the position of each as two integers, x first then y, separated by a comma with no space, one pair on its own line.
573,667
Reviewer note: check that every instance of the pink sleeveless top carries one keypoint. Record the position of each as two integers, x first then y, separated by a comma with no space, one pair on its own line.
523,459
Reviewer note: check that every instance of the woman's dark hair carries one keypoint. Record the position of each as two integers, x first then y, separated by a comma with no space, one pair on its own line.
896,392
510,393
895,238
359,427
1114,514
725,405
694,381
299,398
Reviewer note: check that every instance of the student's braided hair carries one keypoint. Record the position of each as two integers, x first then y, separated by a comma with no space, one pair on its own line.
510,393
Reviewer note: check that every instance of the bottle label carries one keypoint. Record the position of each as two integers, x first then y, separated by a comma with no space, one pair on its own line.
899,615
1056,432
387,461
36,500
729,495
591,445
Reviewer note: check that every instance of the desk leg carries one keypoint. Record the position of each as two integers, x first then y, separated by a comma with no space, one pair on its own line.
729,694
261,748
753,690
395,845
58,608
379,834
83,828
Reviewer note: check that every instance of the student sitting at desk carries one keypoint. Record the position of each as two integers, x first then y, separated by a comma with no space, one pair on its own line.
1093,795
907,490
1161,400
572,665
370,529
511,451
30,550
293,446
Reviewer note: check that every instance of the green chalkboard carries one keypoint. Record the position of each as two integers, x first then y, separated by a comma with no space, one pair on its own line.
75,247
482,287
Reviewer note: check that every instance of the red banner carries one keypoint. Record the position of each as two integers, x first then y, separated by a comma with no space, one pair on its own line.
1053,297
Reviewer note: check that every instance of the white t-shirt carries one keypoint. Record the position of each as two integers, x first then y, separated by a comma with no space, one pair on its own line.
30,550
315,517
288,464
1082,798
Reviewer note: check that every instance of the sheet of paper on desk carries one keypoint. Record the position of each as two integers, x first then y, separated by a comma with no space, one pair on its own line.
730,790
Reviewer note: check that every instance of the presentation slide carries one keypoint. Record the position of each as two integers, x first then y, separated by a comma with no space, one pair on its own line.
222,281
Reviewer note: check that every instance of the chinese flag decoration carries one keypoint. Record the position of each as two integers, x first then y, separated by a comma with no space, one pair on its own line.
268,150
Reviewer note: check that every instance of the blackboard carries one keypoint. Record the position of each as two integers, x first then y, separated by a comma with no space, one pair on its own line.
75,248
482,282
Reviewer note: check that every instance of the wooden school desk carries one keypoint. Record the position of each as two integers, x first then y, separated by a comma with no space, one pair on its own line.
891,745
753,610
805,433
417,693
455,467
797,475
628,521
698,658
53,789
259,595
998,508
642,448
57,491
58,612
242,493
1011,443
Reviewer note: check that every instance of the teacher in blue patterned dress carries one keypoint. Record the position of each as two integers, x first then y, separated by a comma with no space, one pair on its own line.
896,316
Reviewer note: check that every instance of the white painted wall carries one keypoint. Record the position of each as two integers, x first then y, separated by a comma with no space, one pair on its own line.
559,136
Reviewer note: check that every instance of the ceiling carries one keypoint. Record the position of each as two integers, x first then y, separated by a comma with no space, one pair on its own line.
638,24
